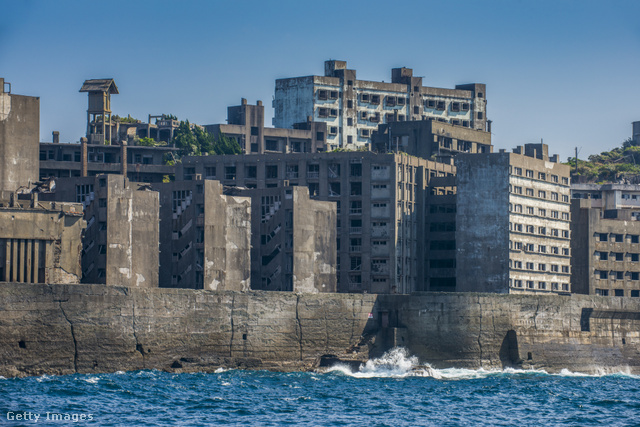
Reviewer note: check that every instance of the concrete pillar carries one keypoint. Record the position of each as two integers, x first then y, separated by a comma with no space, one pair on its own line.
85,156
123,159
36,261
7,260
28,261
14,260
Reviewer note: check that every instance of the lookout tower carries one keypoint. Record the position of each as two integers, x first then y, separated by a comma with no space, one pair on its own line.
99,125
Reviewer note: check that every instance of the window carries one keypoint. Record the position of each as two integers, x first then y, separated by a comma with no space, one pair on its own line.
565,216
430,103
480,115
565,181
323,112
603,237
271,172
529,173
517,190
542,212
322,95
602,275
356,189
375,99
333,94
210,172
565,234
555,268
542,249
542,194
529,266
635,275
619,275
619,256
529,284
102,203
530,229
542,176
565,251
542,267
542,285
530,192
530,210
230,172
618,238
554,196
565,269
565,199
634,238
517,171
604,256
542,231
602,292
635,293
634,257
618,292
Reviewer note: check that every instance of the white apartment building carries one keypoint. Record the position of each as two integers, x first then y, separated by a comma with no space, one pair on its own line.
353,108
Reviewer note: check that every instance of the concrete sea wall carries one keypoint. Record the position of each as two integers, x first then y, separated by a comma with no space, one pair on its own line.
63,329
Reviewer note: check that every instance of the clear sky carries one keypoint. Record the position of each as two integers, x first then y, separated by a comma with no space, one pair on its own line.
565,71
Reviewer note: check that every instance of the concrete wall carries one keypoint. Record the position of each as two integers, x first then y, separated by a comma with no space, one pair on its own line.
227,233
62,329
482,220
314,243
19,141
132,234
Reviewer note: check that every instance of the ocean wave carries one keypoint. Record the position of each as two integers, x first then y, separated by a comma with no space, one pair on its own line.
398,363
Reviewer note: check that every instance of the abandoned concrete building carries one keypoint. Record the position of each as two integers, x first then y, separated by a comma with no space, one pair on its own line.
205,237
353,109
19,139
293,241
605,239
429,138
635,132
513,222
380,200
40,242
245,124
120,244
141,164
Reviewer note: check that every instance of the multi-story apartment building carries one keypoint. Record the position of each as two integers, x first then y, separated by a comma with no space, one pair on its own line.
513,222
293,240
205,236
141,164
245,124
353,109
427,138
606,239
120,243
380,199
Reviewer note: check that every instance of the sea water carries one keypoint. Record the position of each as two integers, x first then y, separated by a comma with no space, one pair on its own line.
391,391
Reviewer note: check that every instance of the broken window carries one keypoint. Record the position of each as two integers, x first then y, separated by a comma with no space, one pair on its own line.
391,101
401,100
430,103
364,133
375,117
322,95
455,106
323,112
365,97
441,105
333,112
334,189
333,94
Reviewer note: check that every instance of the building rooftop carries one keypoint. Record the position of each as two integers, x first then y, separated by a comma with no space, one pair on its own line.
99,85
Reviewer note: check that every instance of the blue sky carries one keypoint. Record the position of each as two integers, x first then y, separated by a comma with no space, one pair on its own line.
565,71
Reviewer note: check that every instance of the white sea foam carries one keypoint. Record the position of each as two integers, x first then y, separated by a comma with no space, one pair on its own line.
398,363
219,371
92,380
119,372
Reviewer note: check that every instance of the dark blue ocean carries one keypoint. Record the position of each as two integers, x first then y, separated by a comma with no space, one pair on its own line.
393,391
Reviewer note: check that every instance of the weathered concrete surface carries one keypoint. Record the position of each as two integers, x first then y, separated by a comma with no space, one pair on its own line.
62,329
